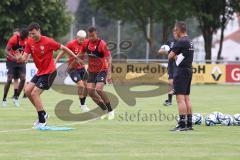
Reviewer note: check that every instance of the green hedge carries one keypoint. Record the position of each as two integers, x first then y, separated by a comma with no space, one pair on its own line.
2,55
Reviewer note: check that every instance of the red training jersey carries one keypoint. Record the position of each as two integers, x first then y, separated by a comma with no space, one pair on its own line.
75,47
42,53
15,43
97,52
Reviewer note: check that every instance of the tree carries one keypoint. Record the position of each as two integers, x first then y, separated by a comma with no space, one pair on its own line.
85,13
230,7
168,12
211,17
142,12
138,11
51,15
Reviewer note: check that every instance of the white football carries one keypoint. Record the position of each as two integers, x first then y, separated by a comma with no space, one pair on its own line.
210,120
82,34
165,48
227,120
236,119
197,118
218,116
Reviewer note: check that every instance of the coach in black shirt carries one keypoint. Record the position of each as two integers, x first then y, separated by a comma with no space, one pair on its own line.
183,51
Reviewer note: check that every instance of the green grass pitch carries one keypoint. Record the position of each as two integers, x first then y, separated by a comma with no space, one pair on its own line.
122,139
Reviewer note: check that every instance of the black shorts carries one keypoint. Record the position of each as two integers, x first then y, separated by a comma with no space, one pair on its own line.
15,69
95,77
45,81
171,69
182,81
78,75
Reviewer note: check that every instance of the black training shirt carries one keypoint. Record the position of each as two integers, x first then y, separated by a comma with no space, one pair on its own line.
185,46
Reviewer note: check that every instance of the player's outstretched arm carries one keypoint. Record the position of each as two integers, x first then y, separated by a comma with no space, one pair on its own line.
59,56
109,73
70,53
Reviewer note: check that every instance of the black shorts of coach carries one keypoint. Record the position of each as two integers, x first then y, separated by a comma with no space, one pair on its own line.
78,75
15,69
95,77
45,81
182,81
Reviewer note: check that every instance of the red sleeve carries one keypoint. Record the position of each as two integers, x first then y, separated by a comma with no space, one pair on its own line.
104,49
54,45
84,45
27,48
12,42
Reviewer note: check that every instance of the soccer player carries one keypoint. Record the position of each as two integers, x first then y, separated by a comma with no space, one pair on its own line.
171,69
16,31
16,69
77,72
41,48
183,52
99,70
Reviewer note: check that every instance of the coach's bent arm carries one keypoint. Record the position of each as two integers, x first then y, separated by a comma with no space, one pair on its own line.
171,55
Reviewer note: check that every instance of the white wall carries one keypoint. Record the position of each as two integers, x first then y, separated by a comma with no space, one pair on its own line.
30,72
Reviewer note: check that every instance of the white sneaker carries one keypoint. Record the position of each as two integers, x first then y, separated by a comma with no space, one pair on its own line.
39,125
84,108
46,116
16,102
4,103
111,115
103,116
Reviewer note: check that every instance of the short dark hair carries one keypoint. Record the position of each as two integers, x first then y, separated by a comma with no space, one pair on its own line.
181,25
23,33
92,29
33,26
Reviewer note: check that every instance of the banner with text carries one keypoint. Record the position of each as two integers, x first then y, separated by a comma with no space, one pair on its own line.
153,73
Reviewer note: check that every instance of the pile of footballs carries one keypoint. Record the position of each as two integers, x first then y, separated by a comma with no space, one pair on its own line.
216,118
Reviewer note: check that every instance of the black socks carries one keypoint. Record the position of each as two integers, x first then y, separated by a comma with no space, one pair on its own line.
182,121
109,107
170,98
189,120
41,117
102,106
15,93
82,100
